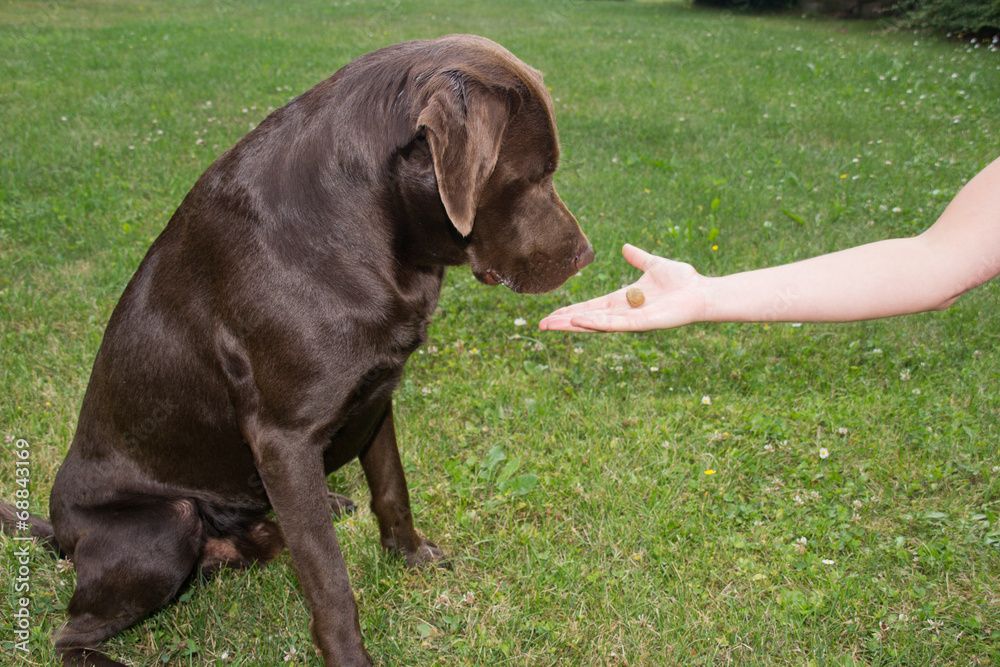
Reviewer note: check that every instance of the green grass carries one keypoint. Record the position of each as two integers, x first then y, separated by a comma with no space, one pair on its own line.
564,476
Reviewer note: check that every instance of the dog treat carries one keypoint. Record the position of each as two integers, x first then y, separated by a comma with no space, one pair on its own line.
635,296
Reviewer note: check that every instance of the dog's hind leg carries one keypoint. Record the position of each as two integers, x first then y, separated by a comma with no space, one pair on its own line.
130,560
38,527
341,505
258,543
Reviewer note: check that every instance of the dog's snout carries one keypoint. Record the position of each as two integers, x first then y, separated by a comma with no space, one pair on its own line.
584,255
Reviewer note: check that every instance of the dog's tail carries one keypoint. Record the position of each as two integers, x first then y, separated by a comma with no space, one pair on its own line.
15,522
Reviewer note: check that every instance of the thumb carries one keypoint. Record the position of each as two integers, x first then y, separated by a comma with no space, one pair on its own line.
637,257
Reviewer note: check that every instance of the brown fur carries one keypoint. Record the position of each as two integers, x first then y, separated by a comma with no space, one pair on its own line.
257,346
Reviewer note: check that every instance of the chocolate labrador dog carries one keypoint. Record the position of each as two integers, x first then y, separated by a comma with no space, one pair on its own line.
257,347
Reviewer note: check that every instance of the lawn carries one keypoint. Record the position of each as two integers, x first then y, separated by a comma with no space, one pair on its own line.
654,499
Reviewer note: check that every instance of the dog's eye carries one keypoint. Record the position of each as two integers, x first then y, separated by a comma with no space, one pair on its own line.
544,174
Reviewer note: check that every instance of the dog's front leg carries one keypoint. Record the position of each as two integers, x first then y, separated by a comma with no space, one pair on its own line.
391,500
293,477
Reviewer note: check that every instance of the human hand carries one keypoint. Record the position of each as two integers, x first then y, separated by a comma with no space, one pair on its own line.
673,298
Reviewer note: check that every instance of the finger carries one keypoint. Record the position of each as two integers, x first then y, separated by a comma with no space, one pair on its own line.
569,319
607,323
555,322
563,320
598,303
563,324
638,257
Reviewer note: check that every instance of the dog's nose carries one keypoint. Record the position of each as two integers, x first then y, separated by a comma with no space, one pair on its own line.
584,255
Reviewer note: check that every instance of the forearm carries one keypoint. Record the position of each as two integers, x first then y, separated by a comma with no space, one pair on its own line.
882,279
895,277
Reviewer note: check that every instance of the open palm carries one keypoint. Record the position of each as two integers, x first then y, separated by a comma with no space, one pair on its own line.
673,299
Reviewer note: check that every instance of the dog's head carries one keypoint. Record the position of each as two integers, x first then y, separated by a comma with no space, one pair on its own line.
491,131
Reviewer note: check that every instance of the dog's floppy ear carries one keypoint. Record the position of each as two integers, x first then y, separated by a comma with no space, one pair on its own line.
464,122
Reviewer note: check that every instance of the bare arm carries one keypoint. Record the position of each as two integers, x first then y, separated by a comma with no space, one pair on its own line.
894,277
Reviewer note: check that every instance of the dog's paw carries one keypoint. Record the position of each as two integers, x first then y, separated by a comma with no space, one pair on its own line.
341,505
426,554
